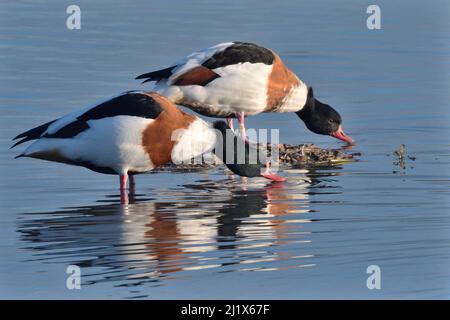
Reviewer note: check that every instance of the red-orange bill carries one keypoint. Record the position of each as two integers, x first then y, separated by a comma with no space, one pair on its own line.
339,134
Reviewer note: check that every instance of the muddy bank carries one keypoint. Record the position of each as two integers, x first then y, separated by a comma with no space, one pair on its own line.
303,155
309,155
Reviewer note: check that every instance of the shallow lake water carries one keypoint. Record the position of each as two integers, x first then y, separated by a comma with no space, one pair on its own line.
207,235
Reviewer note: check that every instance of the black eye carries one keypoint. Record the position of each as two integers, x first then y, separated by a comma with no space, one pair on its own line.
330,121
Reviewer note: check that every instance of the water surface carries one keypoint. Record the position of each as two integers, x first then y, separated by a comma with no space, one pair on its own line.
205,234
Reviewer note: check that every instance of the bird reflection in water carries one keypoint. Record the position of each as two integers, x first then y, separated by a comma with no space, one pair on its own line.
209,224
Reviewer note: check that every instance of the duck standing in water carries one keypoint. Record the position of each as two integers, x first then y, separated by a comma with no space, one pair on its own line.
239,79
132,133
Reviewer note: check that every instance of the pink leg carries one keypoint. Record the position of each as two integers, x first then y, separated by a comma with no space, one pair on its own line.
241,118
123,189
230,123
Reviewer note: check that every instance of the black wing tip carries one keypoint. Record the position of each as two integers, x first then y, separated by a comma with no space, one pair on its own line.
22,135
19,142
20,156
32,134
148,80
156,75
145,76
142,76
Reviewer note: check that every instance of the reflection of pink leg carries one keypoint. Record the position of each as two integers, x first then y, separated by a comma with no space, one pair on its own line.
241,117
132,184
123,188
244,183
230,123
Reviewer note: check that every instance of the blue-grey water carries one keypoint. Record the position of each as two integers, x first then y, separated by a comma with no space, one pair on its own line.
202,234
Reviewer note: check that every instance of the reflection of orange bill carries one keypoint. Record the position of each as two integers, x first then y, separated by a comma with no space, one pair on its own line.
272,176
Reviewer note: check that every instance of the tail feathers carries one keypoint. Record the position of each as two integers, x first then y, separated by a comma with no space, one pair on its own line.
156,75
32,134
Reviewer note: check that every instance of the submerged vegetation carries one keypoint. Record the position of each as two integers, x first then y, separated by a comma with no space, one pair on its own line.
400,158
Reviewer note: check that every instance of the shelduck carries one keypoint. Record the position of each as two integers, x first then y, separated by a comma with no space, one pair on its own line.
132,133
239,79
